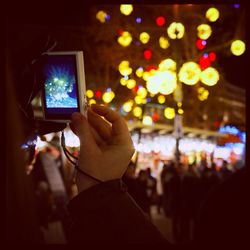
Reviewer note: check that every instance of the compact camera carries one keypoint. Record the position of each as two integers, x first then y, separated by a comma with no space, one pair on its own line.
63,91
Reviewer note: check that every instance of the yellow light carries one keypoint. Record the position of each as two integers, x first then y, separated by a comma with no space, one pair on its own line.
139,72
142,92
204,31
92,101
212,14
169,113
126,9
131,83
89,93
167,64
161,99
125,39
180,111
163,41
145,75
137,111
190,73
147,120
123,82
108,96
144,101
101,16
238,47
138,100
127,106
179,104
124,68
176,30
209,76
144,37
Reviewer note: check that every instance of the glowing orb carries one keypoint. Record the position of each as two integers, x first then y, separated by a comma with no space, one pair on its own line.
238,47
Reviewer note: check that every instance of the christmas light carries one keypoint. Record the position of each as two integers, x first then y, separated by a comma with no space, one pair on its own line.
202,94
89,93
127,106
163,41
151,67
139,72
124,68
142,92
190,73
147,120
145,76
180,111
204,31
138,20
126,9
92,101
131,83
98,94
204,61
138,100
238,47
101,16
236,6
167,64
176,30
160,21
155,117
209,76
169,113
123,82
212,56
125,39
147,54
137,111
144,37
161,99
201,44
108,96
212,14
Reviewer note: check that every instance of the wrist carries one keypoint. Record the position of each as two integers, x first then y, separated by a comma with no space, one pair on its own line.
84,182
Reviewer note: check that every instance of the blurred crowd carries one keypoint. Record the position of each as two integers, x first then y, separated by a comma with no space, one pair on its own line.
177,191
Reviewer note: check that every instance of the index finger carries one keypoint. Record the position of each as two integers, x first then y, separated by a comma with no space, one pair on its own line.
119,125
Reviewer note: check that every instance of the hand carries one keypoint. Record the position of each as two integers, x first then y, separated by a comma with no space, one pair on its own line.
106,147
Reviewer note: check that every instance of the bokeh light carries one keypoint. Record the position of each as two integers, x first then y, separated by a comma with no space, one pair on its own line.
209,76
190,73
238,47
212,14
204,31
126,9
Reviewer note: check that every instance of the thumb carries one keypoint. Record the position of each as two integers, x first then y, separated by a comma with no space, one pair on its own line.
79,125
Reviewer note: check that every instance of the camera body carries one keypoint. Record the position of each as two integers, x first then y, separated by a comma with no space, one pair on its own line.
63,91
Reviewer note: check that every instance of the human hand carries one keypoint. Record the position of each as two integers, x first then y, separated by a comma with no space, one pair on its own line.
106,147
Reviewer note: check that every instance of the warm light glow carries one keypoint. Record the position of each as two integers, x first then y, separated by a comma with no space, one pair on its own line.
101,16
147,120
204,31
131,83
144,37
126,9
92,101
163,41
209,76
146,75
202,94
142,92
138,100
169,113
180,111
123,82
238,47
190,73
139,72
176,30
167,64
125,39
89,93
212,14
137,111
124,68
127,106
161,99
108,96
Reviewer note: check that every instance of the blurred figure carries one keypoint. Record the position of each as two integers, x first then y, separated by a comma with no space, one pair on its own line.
224,171
151,187
130,180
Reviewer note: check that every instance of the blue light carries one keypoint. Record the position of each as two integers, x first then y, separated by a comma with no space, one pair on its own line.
138,43
108,89
205,55
148,99
203,42
126,77
229,130
107,17
236,6
138,20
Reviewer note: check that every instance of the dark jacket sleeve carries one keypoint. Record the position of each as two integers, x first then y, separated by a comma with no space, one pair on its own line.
106,213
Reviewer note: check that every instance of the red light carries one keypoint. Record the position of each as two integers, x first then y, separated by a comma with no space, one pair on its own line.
149,68
160,21
212,56
204,62
136,88
147,54
200,44
98,93
155,117
120,31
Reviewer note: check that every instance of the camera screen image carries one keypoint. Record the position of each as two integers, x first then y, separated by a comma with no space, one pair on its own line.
60,82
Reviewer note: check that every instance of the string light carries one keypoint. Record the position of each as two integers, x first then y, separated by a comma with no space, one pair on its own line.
180,111
98,94
161,99
147,54
201,44
238,47
160,21
167,64
108,96
144,37
124,68
131,83
125,39
101,16
127,106
123,82
142,92
176,30
169,113
189,73
126,9
212,14
209,76
89,93
137,111
163,41
204,31
139,72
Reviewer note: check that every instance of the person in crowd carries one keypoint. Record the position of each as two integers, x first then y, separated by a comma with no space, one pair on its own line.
151,187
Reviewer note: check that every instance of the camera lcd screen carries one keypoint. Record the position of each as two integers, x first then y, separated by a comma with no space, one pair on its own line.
61,86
